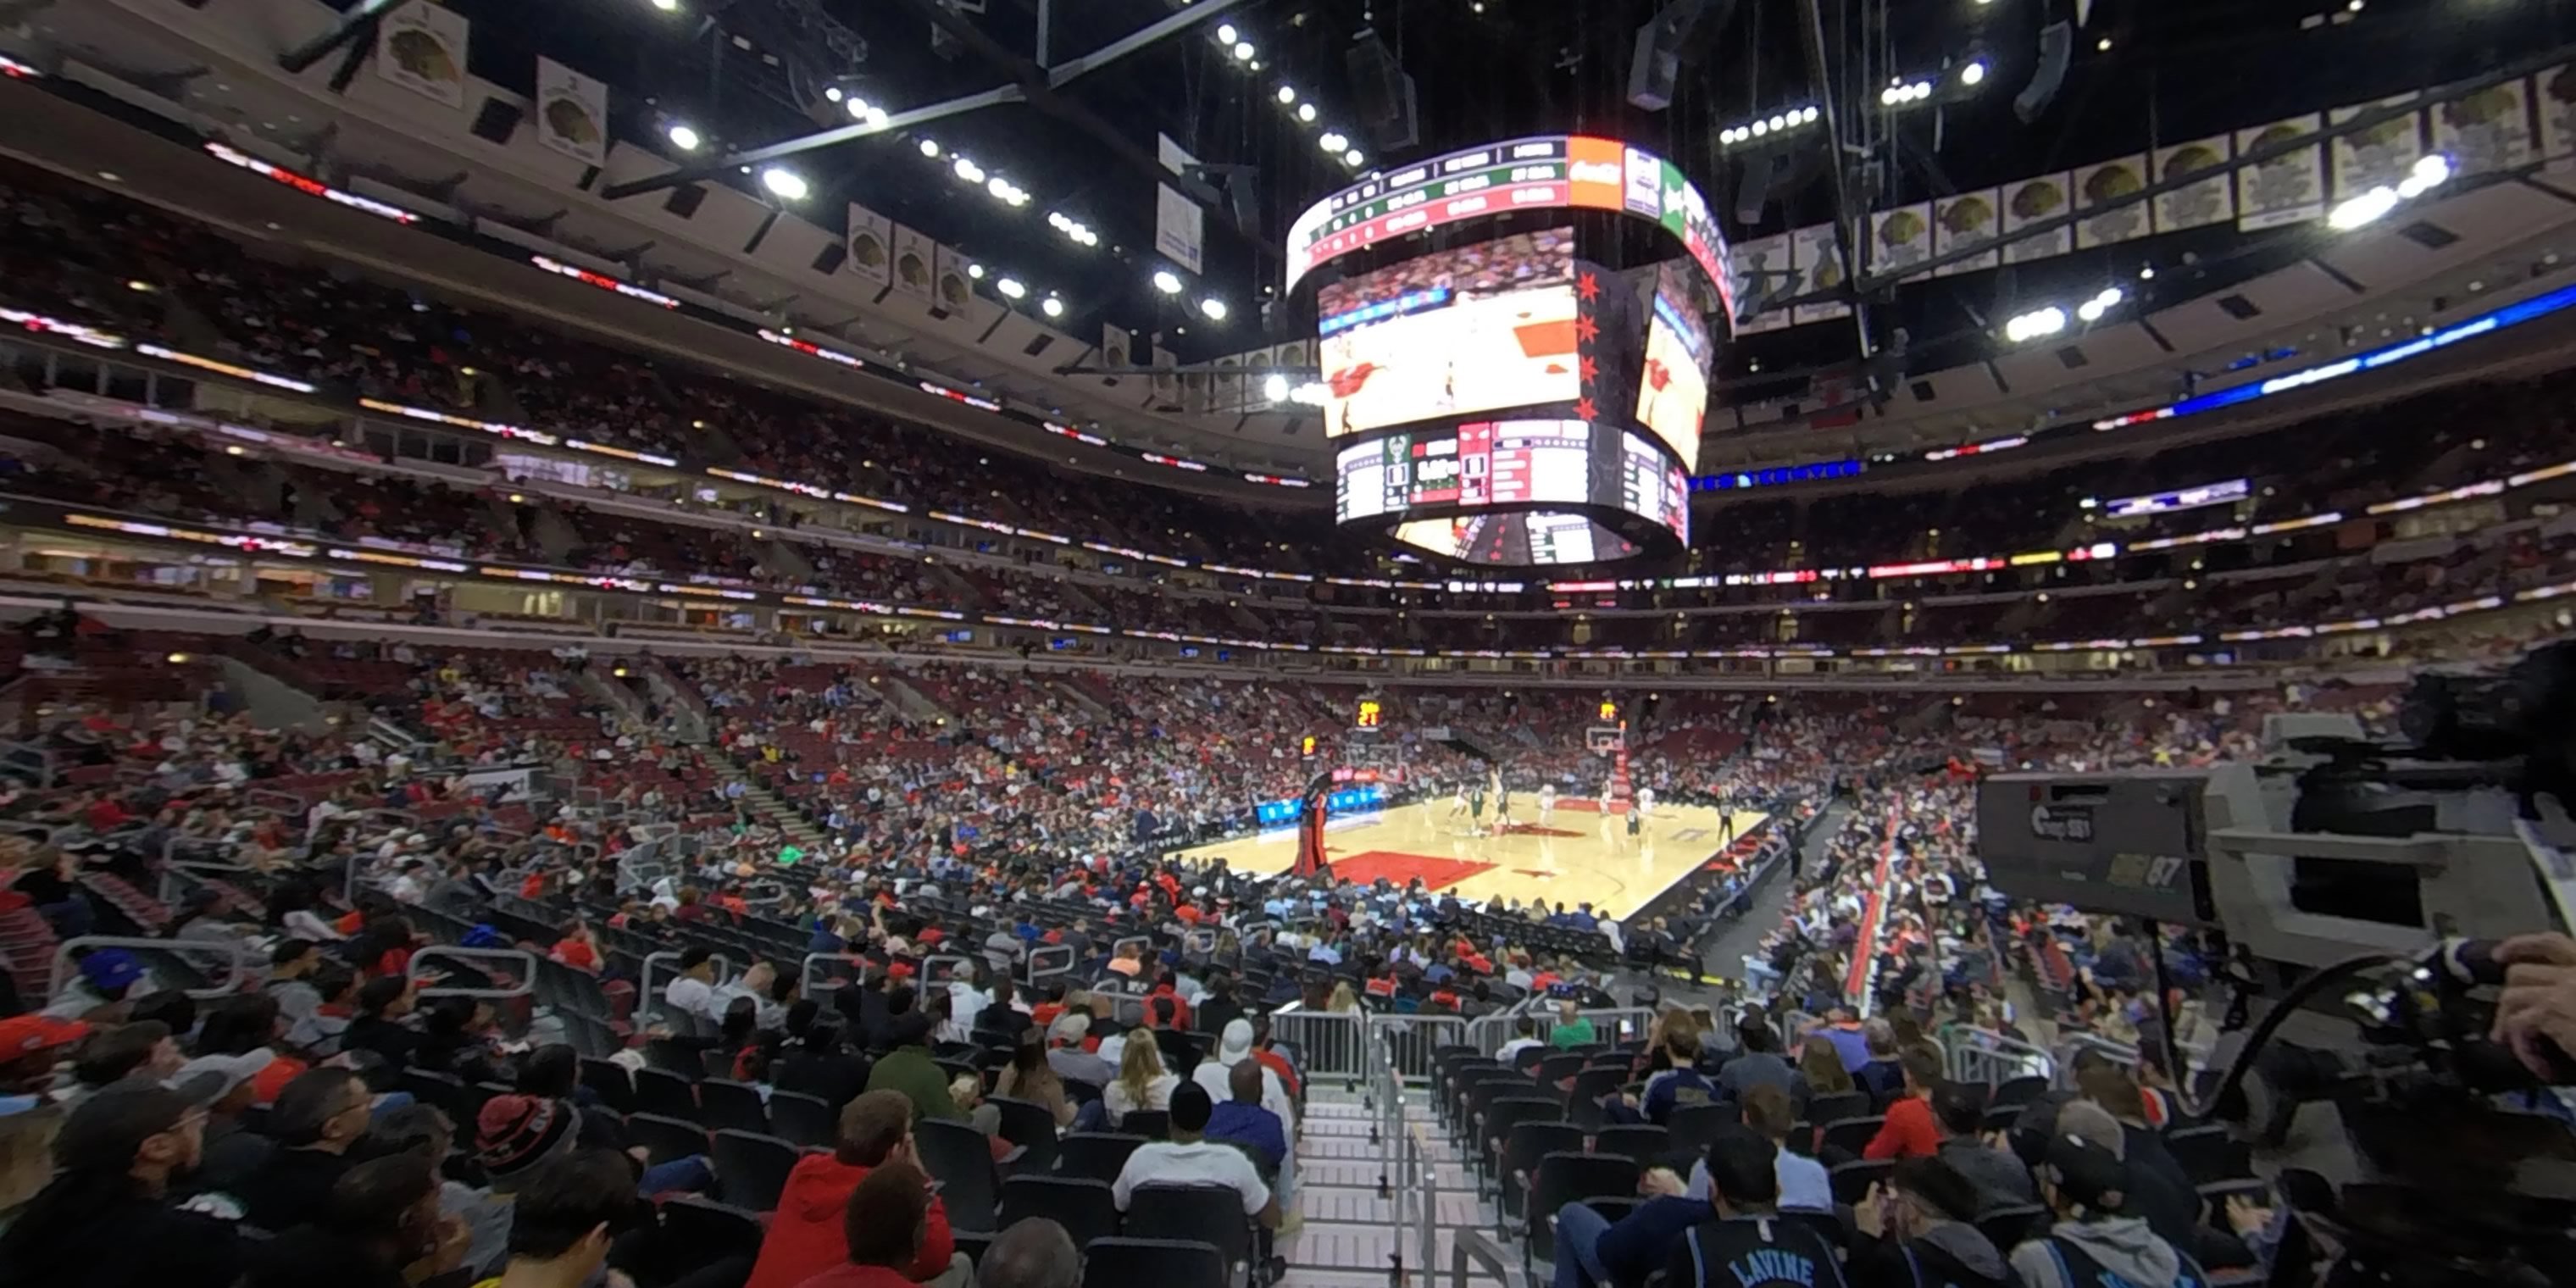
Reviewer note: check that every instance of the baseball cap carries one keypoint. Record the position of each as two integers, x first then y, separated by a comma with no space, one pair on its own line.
1235,1043
111,1123
111,968
1070,1028
2086,1172
210,1078
25,1035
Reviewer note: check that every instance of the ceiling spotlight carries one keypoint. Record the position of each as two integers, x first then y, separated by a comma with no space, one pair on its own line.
1353,158
832,92
1243,51
2147,274
999,187
2433,170
1010,286
1226,34
877,117
1275,388
2091,310
1809,116
682,137
2364,209
1974,73
2032,326
1056,219
1214,308
1761,128
667,6
785,183
1306,112
2104,44
1287,94
969,171
1166,281
1333,141
975,271
1051,306
930,147
858,109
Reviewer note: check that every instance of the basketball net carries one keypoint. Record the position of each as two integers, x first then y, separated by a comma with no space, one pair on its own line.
1612,741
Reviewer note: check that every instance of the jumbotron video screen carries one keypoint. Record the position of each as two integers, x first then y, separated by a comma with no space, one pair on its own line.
1672,393
1514,463
1480,328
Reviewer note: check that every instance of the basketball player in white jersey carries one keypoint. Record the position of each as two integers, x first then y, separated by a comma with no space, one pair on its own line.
1645,803
1546,802
1458,800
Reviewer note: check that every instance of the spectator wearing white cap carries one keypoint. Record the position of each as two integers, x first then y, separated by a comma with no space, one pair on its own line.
1234,1046
222,1083
1066,1056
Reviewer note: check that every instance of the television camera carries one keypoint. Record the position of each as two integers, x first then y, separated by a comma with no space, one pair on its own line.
2357,892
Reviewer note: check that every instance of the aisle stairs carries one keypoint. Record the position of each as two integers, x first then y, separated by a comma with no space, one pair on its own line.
1346,1194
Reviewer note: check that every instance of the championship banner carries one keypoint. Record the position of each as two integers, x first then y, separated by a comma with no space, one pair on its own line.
2197,205
1965,222
1180,227
912,264
2102,183
2557,103
1901,238
572,112
1820,268
1115,345
871,245
2487,131
1764,270
1167,386
952,289
2285,190
2035,200
421,47
2381,154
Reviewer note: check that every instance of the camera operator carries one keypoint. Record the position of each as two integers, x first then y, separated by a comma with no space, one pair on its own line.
2537,1008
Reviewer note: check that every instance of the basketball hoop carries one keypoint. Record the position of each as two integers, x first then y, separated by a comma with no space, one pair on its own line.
1604,739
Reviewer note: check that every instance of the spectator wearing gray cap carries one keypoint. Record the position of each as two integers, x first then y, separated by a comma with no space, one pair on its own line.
2094,1236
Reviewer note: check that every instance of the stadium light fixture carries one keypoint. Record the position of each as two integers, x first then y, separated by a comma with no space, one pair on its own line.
784,183
1306,113
1051,306
999,187
1243,51
1214,308
975,271
1011,287
1353,158
1313,393
1333,141
2366,208
832,93
2430,172
858,109
878,117
1902,93
1973,73
1275,389
667,6
2038,324
1226,34
969,171
1166,281
2092,310
930,148
682,137
1287,94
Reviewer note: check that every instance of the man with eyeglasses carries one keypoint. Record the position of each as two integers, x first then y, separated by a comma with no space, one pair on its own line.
317,1117
106,1219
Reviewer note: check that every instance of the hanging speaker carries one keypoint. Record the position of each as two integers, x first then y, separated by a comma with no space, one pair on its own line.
2056,47
1384,93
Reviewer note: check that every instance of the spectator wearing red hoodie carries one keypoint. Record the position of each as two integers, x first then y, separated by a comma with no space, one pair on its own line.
885,1225
807,1235
1910,1130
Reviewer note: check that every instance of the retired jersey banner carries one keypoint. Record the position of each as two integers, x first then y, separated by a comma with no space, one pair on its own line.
1180,227
421,47
2285,190
2488,131
572,112
2195,205
1820,268
912,263
1764,270
2379,155
2032,201
871,245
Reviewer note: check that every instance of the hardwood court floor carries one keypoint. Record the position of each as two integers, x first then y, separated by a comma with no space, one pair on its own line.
1579,856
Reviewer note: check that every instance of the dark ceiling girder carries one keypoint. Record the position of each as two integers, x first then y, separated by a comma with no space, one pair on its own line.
1811,37
1033,80
2405,105
362,17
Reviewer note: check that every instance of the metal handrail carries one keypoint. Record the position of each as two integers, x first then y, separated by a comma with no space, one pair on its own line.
1475,1246
526,962
805,973
646,998
243,962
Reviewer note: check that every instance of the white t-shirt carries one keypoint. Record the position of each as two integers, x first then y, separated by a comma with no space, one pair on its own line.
1217,1079
691,994
1645,800
1515,1047
1158,1095
1164,1163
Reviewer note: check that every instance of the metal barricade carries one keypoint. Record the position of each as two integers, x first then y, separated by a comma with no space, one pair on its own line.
239,962
1330,1044
1412,1040
1049,962
2074,1044
520,958
1613,1024
1989,1058
806,975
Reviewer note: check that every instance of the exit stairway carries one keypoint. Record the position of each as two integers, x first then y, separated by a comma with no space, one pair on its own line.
1349,1238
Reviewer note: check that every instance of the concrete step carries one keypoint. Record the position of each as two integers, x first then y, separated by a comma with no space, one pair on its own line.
1363,1172
1352,1205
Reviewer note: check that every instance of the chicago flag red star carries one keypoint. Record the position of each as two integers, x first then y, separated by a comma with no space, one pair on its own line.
1591,369
1588,285
1585,329
1584,410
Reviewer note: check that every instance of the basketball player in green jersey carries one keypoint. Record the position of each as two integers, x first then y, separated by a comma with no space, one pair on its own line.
1476,810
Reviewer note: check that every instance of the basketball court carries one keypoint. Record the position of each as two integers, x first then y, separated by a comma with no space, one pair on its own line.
1579,856
1506,350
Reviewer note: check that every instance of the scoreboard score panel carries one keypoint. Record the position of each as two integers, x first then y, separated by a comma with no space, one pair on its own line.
1370,713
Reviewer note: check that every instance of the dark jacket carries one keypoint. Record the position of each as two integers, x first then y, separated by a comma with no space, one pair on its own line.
1949,1255
1749,1252
2000,1178
1640,1243
309,1256
289,1188
130,1240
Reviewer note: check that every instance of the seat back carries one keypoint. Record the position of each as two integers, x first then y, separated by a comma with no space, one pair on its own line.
2018,1091
753,1168
1210,1212
1031,1126
1835,1108
616,1089
1152,1124
1524,1147
1123,1262
2006,1227
1095,1155
664,1138
1087,1209
1503,1115
660,1091
1649,1145
1852,1134
703,1225
1852,1180
724,1104
803,1120
1556,1072
1693,1128
1565,1177
959,1157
